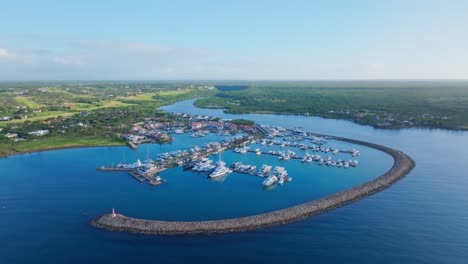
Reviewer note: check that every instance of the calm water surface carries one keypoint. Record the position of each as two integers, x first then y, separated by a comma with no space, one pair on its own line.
47,200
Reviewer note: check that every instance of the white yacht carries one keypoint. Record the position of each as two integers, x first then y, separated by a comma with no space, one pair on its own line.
346,164
241,150
284,157
264,170
220,170
281,180
179,131
307,158
281,173
270,180
353,163
203,165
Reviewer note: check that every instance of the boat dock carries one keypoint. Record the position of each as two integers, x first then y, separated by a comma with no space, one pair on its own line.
113,169
321,161
146,172
132,145
313,148
140,176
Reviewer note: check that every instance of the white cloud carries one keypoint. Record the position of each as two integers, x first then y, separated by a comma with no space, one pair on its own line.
5,54
107,60
77,59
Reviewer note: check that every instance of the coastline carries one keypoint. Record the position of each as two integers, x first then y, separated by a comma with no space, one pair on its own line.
402,165
57,148
261,112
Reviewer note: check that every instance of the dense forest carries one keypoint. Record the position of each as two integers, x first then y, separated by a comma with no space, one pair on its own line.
390,104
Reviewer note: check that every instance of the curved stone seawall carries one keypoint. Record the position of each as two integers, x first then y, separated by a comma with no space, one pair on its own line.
402,165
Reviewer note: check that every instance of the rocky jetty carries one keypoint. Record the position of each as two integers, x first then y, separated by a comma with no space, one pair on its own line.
402,165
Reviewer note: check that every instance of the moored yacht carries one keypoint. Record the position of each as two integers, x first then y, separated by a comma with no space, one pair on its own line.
270,180
264,170
220,170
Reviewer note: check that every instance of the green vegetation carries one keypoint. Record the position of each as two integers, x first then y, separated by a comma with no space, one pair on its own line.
392,104
28,102
92,114
243,122
224,88
56,142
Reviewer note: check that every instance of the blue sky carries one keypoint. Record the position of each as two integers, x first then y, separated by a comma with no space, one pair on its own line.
287,40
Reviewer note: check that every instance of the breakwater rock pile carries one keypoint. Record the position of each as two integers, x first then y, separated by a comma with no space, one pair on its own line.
402,165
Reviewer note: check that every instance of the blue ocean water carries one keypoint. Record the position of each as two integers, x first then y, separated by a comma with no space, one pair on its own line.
47,200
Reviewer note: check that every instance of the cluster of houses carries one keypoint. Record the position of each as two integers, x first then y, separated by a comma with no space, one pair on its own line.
38,133
158,130
202,122
147,132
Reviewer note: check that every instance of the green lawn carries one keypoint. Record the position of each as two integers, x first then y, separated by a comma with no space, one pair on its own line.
44,143
28,102
78,107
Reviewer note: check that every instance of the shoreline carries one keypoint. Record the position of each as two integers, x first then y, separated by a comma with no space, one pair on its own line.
451,129
263,112
57,148
402,165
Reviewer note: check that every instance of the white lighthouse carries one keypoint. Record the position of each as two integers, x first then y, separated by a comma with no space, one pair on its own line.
113,212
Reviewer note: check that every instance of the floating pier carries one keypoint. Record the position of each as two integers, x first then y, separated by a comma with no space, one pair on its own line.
141,177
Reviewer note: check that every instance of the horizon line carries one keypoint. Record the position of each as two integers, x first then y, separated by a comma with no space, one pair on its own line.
228,80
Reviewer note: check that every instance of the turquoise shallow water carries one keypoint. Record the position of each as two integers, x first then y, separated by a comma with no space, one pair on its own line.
47,200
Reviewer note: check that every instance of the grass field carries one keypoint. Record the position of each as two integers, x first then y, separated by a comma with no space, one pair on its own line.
28,102
156,96
76,108
110,109
55,142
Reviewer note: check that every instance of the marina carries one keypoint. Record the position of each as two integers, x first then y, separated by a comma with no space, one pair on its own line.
196,158
402,165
